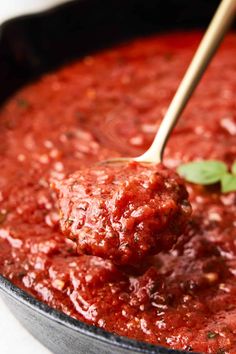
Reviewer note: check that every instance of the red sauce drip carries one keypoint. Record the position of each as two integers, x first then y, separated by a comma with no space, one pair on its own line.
182,299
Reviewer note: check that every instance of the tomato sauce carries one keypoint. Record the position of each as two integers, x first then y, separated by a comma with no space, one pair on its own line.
110,104
123,212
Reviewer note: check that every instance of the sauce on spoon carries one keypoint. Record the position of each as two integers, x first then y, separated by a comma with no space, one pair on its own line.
123,212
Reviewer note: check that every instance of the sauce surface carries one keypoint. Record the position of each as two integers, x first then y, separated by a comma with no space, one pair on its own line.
123,212
185,298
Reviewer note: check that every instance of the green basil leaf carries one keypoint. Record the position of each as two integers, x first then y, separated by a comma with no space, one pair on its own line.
233,168
203,172
228,183
212,335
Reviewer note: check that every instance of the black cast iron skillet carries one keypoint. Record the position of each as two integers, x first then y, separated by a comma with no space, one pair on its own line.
32,45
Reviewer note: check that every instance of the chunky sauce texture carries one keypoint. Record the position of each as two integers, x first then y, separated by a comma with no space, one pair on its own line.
123,212
110,104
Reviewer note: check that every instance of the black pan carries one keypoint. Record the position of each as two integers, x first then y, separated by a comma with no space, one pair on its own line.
32,45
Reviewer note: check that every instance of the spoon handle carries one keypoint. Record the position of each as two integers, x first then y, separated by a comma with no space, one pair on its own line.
209,44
